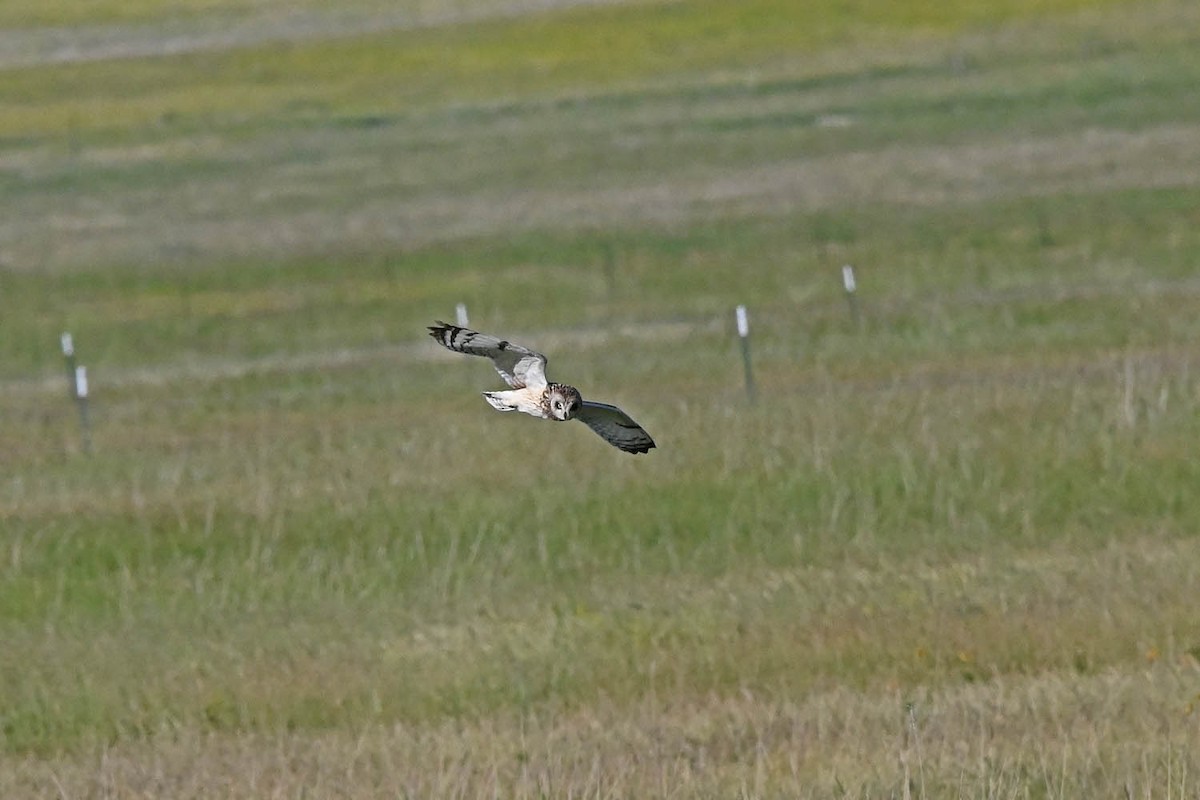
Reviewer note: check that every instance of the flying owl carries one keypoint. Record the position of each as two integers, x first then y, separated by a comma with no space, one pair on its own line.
525,371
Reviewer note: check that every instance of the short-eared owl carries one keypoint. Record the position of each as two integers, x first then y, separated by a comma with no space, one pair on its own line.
525,371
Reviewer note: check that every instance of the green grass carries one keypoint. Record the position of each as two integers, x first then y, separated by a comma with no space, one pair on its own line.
567,51
948,552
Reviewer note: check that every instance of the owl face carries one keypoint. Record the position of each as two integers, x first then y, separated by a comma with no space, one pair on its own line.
562,402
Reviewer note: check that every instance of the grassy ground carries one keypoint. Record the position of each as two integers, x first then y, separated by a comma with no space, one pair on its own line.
950,551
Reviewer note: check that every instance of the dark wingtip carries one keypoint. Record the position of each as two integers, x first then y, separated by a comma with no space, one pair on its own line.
643,449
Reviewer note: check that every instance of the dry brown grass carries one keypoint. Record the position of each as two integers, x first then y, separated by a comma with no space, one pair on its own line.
136,29
1099,721
1133,730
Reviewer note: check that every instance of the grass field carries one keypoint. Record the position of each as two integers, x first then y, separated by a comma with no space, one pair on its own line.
950,551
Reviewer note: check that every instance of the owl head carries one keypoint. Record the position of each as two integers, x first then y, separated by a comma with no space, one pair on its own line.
564,401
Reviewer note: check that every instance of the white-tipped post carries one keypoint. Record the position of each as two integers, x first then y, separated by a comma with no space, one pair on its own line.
743,330
851,286
68,351
81,398
460,315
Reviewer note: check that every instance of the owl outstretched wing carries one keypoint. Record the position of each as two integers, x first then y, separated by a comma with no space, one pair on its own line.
518,366
615,427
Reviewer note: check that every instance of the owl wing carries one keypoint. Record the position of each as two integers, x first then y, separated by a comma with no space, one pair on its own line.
615,427
518,366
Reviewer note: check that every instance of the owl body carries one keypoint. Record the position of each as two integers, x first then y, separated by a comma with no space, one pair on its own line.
530,393
556,401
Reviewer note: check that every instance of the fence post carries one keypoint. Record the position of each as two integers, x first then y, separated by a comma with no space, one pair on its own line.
81,397
68,351
851,287
743,329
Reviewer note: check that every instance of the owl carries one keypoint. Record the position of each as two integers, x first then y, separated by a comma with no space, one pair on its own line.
525,371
